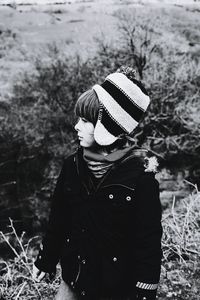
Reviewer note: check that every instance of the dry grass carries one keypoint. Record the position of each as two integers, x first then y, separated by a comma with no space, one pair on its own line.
181,249
16,281
180,270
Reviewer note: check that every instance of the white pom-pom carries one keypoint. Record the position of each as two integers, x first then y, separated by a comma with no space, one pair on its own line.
151,164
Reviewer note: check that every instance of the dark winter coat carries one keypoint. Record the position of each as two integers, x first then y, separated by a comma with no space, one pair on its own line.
106,236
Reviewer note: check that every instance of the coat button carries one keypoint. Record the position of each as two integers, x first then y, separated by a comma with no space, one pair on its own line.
83,293
128,198
114,258
111,196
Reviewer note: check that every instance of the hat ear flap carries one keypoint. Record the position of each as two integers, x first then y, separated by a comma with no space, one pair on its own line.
102,136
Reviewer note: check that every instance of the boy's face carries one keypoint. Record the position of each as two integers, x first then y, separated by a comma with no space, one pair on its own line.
85,132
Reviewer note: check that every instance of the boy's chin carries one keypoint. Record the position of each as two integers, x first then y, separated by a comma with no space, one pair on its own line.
86,145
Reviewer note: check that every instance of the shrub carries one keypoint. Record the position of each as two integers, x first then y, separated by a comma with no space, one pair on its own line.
37,129
171,126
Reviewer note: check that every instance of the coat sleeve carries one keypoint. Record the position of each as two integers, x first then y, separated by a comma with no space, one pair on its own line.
49,253
148,227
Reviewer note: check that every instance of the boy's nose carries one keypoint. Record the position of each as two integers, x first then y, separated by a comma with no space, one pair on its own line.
76,127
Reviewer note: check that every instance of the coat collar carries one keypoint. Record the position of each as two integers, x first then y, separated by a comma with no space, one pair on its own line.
130,166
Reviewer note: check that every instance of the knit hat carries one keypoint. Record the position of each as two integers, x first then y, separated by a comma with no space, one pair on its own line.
123,101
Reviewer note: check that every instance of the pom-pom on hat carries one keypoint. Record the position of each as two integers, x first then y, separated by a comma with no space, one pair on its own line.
123,102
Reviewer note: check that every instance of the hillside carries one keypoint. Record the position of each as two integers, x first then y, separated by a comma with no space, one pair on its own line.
75,26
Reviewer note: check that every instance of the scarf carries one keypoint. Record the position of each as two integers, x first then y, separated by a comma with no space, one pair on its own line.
100,163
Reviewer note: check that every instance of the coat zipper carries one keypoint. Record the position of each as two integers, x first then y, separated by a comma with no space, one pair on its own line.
79,272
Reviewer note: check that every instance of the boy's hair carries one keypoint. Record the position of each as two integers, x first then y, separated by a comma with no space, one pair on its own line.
87,106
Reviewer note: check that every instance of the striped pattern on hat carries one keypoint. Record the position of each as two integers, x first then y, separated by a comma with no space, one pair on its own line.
122,105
